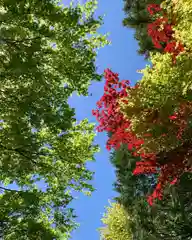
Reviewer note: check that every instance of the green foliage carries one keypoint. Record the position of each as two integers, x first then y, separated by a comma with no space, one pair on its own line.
162,89
116,222
169,218
125,163
47,52
174,213
164,85
132,193
60,168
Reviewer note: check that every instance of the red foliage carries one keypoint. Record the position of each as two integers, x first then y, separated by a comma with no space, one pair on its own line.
154,8
173,117
157,194
175,49
145,166
180,118
112,120
107,115
161,32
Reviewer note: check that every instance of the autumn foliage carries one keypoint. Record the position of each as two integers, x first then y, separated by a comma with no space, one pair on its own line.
161,32
172,164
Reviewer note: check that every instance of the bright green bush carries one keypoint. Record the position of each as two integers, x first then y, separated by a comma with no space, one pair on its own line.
117,223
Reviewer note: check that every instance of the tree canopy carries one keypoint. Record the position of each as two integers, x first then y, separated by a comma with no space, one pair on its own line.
116,222
137,17
47,52
149,126
169,218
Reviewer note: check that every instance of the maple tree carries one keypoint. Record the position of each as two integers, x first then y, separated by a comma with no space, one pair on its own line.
161,32
153,117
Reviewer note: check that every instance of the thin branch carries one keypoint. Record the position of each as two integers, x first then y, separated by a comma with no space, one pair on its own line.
10,190
22,154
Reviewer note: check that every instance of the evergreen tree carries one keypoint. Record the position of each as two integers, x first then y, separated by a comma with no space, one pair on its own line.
137,17
170,218
132,190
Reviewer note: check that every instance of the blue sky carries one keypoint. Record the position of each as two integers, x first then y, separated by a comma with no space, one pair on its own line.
121,57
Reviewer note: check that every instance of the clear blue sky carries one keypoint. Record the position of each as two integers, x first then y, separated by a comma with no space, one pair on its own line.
121,57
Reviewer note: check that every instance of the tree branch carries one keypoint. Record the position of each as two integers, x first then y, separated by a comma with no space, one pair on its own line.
20,152
10,190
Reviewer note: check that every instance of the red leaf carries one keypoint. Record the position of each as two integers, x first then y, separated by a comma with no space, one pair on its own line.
173,117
